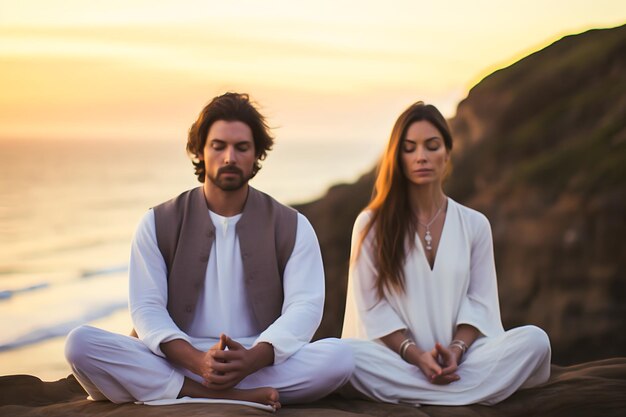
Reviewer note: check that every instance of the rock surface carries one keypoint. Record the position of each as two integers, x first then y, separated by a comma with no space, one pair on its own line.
540,148
590,389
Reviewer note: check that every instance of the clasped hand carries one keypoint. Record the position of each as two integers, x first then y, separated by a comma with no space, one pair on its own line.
439,365
225,364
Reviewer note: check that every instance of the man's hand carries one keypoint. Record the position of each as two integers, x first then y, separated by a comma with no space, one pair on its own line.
208,362
224,369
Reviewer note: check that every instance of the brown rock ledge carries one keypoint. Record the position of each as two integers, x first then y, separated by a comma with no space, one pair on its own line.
589,389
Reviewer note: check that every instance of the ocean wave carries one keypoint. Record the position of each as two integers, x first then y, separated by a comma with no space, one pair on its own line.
63,328
86,274
90,273
45,312
6,294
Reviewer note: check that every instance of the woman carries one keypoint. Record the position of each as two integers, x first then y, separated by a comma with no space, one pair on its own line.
422,300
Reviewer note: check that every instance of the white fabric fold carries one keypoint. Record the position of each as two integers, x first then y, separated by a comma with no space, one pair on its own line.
189,400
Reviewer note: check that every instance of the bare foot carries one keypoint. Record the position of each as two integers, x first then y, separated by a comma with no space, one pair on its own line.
263,395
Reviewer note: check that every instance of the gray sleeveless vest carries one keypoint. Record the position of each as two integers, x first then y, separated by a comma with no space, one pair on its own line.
185,235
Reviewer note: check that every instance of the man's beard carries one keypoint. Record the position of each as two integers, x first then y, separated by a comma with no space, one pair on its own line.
230,183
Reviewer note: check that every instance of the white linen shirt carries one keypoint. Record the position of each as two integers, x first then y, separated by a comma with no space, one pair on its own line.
222,307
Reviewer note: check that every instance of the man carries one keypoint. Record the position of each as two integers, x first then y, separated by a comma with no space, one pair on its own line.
226,287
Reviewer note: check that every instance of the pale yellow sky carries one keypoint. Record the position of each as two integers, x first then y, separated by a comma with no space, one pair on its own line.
323,70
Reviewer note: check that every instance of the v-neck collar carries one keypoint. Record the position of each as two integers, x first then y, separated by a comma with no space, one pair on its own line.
443,232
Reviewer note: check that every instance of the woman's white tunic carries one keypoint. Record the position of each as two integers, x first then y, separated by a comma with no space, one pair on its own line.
461,288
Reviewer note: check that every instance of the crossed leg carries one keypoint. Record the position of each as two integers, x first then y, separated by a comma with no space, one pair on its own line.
122,369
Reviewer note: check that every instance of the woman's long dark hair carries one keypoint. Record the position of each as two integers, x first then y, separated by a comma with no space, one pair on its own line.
392,219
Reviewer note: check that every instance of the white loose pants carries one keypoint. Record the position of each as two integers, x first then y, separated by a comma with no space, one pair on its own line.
492,370
122,369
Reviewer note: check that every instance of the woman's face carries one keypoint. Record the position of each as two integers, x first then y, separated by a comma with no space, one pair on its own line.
423,154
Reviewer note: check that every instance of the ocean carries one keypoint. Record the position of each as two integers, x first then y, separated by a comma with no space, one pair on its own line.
68,211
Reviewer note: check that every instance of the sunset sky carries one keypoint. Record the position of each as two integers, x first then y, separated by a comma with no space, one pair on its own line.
321,70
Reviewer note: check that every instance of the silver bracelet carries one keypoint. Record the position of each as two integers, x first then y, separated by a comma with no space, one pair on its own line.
404,346
460,344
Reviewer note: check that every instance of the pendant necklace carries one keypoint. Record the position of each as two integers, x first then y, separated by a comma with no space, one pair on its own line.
427,237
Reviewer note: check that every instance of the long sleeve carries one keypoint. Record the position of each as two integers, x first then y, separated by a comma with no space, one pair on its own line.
480,307
303,306
367,316
148,289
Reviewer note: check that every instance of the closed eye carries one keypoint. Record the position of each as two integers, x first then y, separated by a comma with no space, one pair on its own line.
433,144
408,146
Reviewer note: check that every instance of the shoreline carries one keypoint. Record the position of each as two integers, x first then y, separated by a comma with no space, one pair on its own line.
46,360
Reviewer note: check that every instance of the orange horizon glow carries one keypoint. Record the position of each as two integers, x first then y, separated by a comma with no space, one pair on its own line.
135,70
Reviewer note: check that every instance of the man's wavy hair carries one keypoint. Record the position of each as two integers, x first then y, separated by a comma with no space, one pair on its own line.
229,107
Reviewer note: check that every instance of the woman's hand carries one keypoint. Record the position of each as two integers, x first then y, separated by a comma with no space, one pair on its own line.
448,360
439,364
426,361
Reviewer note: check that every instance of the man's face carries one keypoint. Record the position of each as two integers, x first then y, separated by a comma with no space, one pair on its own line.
229,154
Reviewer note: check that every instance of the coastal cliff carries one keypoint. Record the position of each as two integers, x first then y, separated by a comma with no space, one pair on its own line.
540,148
